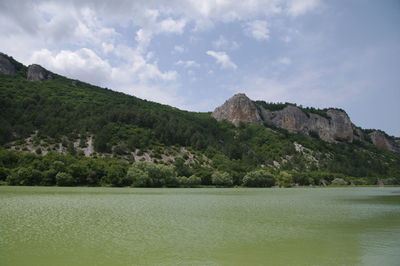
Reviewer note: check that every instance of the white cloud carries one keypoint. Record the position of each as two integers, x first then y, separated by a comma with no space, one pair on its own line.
132,77
143,37
300,7
83,64
107,47
187,64
284,61
222,59
172,26
258,29
223,43
179,48
88,40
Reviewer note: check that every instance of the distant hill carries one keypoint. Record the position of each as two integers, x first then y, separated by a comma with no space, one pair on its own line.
96,134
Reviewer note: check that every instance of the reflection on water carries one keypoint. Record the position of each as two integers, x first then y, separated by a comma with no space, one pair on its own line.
124,226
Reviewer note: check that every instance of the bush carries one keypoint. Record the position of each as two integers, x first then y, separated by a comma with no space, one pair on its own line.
4,173
194,180
49,178
338,182
25,177
284,179
191,181
145,174
361,181
259,178
222,179
116,175
139,177
390,181
64,179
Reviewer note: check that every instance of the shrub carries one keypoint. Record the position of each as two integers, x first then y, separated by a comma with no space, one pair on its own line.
191,181
390,181
64,179
284,179
145,174
139,177
339,182
25,177
4,173
116,175
194,180
222,179
259,178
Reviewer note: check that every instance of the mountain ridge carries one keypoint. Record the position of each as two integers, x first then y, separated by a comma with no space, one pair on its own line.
333,125
50,118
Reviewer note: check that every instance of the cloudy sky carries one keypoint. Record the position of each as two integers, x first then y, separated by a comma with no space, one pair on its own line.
195,54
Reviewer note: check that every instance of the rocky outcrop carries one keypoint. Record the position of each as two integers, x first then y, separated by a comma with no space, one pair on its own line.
380,139
340,128
358,134
239,108
293,119
333,127
290,118
6,67
36,72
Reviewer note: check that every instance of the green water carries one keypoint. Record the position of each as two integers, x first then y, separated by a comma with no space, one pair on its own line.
125,226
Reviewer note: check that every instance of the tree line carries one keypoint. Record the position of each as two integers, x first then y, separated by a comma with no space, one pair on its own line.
52,169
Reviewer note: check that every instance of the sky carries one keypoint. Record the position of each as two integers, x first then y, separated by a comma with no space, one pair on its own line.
194,54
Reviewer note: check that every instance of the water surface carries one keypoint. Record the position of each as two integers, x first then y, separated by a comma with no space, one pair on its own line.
238,226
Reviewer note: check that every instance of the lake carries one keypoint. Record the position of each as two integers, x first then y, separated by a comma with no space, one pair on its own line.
202,226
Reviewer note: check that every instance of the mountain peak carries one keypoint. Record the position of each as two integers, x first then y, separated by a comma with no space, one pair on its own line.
239,108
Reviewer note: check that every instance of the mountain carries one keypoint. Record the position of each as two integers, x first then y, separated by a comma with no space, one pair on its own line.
56,130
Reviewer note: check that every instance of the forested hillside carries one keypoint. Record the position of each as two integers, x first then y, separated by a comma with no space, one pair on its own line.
66,132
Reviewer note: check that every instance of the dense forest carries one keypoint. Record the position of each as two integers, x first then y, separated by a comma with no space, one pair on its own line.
67,132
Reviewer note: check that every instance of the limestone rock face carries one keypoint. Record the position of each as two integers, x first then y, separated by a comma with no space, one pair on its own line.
290,118
36,72
335,126
358,134
380,140
6,67
321,126
340,125
239,108
293,119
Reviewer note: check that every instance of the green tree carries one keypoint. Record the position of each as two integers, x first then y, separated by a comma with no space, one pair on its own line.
339,182
116,176
194,180
259,178
284,179
139,177
191,181
64,179
25,177
147,174
222,179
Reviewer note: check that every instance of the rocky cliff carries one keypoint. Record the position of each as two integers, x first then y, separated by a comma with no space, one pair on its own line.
9,66
380,139
334,126
239,108
36,72
6,67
